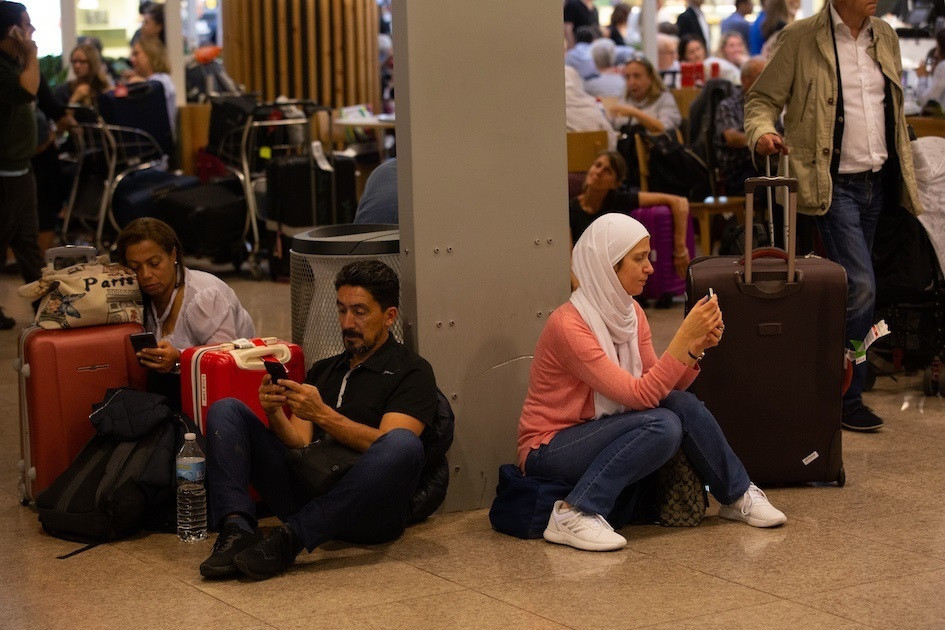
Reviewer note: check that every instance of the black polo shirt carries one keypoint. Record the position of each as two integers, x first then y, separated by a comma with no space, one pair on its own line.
393,379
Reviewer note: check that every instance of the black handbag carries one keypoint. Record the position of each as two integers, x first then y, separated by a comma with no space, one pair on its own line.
321,464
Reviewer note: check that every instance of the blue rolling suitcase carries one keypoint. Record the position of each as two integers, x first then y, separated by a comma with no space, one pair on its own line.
138,194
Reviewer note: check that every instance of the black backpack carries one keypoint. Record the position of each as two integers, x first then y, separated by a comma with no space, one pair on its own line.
676,169
435,476
123,480
702,117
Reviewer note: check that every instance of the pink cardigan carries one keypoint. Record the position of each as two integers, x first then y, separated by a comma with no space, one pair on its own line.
570,365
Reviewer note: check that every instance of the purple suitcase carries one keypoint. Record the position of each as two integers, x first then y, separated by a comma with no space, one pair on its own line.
775,382
664,283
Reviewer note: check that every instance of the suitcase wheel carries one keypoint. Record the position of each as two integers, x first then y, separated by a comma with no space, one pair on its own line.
841,477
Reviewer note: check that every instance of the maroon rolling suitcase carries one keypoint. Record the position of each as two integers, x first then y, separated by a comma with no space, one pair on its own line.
774,383
62,374
664,283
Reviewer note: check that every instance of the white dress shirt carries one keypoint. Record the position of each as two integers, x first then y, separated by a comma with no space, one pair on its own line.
864,119
703,24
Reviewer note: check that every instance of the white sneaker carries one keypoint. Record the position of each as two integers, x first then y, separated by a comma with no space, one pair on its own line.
590,532
753,508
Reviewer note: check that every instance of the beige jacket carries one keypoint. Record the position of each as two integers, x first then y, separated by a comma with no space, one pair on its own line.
802,75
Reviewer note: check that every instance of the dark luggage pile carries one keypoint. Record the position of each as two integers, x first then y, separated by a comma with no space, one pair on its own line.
910,296
267,150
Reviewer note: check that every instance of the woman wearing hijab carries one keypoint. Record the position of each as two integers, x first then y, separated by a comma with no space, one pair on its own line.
603,411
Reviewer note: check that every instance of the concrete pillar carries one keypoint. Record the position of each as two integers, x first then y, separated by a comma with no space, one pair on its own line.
483,209
648,30
68,22
174,36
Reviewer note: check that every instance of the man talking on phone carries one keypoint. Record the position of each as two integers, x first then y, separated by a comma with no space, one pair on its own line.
375,398
19,82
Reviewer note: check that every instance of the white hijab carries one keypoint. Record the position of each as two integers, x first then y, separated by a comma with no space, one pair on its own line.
603,303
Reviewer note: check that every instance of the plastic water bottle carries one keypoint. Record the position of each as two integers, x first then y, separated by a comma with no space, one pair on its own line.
191,491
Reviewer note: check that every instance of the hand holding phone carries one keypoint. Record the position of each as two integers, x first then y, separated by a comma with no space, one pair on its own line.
140,341
276,370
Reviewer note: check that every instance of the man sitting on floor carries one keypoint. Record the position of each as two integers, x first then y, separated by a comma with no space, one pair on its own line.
376,397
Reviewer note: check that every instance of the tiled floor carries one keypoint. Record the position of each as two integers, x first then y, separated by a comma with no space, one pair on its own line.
871,554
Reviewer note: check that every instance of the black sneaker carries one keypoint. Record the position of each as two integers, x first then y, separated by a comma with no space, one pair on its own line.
270,557
6,323
861,419
232,540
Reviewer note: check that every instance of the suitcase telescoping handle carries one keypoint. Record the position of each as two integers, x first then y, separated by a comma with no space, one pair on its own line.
790,219
68,255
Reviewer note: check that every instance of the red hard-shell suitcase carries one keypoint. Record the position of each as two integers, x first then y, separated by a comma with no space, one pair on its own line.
62,374
774,382
658,221
232,370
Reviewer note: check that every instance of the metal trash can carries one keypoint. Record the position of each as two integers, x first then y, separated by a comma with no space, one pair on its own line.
316,257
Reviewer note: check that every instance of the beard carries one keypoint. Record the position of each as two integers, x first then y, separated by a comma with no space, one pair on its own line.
354,342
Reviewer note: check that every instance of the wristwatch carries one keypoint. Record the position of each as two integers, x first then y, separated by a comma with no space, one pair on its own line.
694,357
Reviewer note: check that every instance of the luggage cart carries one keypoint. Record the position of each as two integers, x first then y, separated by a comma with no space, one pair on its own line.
281,128
109,153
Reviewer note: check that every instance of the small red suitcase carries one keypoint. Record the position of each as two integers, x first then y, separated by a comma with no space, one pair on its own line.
664,283
62,374
232,370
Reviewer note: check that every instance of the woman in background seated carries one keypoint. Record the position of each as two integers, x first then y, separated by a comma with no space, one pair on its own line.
692,50
733,48
90,78
601,196
646,102
603,411
182,307
149,60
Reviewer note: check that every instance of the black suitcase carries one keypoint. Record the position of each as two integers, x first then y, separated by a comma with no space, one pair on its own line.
346,195
140,193
290,185
209,219
775,381
289,193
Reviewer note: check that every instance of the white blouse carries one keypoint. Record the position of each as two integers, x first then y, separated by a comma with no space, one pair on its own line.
209,313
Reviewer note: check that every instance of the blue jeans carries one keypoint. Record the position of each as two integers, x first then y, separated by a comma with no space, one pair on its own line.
605,456
369,504
847,231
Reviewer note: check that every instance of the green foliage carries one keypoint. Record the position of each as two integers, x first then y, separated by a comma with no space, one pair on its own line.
52,69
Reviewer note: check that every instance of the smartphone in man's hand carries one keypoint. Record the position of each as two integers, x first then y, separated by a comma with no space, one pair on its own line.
276,370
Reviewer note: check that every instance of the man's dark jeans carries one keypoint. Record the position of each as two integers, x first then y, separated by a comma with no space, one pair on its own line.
369,504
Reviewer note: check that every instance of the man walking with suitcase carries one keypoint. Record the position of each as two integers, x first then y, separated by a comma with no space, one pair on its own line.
19,82
837,74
